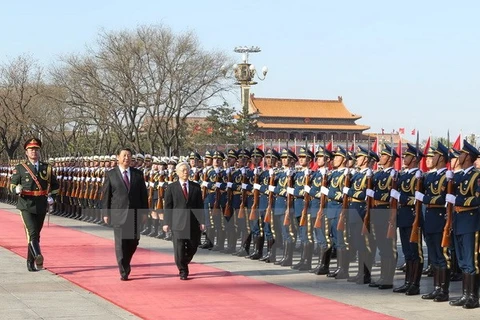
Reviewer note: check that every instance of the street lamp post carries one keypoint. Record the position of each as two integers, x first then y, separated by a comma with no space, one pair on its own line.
245,73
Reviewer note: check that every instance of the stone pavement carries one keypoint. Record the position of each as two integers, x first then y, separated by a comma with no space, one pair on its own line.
43,295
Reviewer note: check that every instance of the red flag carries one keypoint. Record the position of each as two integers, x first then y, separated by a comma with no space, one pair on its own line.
423,162
457,143
329,146
413,132
398,161
401,130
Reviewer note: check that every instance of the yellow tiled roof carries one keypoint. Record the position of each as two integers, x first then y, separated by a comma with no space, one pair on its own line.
292,108
308,126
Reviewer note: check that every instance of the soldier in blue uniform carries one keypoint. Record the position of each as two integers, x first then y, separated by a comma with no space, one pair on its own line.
334,207
288,159
301,177
232,182
267,200
321,234
36,186
380,220
356,214
208,199
405,195
435,186
466,225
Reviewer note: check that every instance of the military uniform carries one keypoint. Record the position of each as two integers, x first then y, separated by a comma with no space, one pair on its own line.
34,182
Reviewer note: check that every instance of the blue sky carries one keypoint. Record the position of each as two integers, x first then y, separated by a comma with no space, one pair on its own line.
411,64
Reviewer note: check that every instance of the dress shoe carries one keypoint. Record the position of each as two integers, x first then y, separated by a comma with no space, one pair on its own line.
124,278
31,266
183,277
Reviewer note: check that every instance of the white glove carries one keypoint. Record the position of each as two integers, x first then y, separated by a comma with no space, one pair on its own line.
69,178
242,170
227,172
204,184
244,186
194,169
270,172
346,172
393,172
323,171
370,193
147,184
450,198
160,184
449,174
271,188
287,172
307,189
217,170
324,190
290,190
306,172
256,186
229,184
419,196
255,171
151,184
218,184
18,189
345,190
394,194
204,170
418,175
50,200
99,179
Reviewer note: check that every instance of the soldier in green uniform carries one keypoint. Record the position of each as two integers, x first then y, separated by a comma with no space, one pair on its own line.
36,186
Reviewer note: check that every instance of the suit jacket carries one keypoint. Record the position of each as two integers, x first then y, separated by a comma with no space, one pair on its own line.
117,201
21,176
179,211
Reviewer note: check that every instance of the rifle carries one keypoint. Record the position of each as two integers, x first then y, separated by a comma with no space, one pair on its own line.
161,190
306,202
323,202
228,206
94,187
342,218
243,204
216,204
286,221
256,195
205,177
392,223
150,189
368,206
447,229
269,211
415,235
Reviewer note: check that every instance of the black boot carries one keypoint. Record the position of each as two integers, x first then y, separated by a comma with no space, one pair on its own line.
30,260
259,243
271,252
455,271
388,273
324,255
415,277
254,251
306,259
146,227
344,262
207,244
154,229
37,254
408,273
245,247
279,262
231,242
444,284
335,255
461,301
472,298
287,262
436,285
220,240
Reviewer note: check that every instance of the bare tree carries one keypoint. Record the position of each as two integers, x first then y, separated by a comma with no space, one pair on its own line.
20,86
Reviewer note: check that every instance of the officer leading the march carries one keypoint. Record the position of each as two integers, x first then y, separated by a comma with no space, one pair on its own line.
35,184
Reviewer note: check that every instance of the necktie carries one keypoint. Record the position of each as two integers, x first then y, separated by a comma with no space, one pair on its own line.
125,179
185,192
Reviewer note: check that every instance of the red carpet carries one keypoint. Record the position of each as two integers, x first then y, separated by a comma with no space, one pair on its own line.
155,291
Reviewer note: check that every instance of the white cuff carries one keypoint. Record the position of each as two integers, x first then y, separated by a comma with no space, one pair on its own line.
324,190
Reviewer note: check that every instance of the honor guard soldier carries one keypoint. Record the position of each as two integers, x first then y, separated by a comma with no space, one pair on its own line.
283,212
207,201
334,192
301,204
214,183
233,180
359,236
194,161
267,200
466,225
321,233
406,214
433,198
383,181
36,186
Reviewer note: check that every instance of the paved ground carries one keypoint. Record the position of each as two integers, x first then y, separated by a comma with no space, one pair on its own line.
43,295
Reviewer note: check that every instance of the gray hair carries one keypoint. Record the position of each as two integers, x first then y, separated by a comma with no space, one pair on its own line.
179,166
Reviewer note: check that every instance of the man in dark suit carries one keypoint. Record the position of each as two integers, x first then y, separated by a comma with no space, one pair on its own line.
36,186
184,216
124,205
